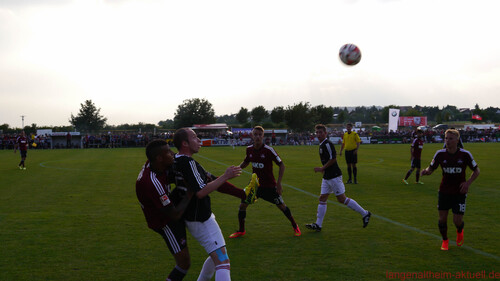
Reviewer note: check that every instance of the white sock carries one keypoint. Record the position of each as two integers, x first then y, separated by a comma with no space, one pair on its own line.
222,272
355,206
320,215
207,271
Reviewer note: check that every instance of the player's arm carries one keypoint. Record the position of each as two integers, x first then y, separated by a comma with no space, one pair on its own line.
279,187
342,146
231,172
324,167
174,212
464,187
244,164
427,171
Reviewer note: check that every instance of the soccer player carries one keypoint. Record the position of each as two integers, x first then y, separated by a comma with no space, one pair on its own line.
199,218
22,145
162,215
262,157
350,143
332,181
416,152
453,188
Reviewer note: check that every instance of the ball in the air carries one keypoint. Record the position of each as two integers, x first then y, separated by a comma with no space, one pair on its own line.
350,54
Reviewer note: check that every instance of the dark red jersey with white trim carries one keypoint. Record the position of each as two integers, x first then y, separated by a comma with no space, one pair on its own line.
453,167
262,163
22,142
153,192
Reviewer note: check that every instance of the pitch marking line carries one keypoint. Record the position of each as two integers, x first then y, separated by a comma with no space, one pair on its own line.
373,215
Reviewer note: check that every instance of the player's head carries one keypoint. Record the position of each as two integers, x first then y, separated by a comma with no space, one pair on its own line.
348,126
258,135
158,151
451,137
419,132
320,132
23,134
185,140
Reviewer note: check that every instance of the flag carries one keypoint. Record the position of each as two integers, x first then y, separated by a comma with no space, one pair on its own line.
393,119
477,117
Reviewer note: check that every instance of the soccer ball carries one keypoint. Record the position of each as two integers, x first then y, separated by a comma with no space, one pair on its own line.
350,54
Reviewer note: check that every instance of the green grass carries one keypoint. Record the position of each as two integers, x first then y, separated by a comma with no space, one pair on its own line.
73,215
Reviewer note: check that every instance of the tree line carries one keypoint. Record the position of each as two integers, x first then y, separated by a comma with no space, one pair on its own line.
299,117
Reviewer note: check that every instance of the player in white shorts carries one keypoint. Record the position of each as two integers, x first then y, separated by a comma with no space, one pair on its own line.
332,181
198,216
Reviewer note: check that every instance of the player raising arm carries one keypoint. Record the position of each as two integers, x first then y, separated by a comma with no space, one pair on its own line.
453,188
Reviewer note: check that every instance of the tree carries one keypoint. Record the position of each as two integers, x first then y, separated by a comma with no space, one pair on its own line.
242,115
298,117
278,114
258,114
321,114
194,111
88,119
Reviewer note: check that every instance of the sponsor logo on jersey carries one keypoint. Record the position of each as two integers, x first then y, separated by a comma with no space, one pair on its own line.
164,200
258,165
452,170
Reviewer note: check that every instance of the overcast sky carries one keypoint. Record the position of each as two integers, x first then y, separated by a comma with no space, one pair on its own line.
138,60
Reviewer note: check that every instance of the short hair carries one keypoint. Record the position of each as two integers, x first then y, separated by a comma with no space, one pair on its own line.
320,127
349,124
154,148
259,128
179,136
453,132
419,131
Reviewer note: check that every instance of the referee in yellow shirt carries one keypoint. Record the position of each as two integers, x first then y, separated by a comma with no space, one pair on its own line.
351,143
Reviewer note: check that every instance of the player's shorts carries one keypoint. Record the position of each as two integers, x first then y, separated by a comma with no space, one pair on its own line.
455,202
416,163
174,234
23,153
270,195
350,157
207,233
335,186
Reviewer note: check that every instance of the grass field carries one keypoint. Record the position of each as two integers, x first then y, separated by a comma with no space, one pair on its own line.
73,215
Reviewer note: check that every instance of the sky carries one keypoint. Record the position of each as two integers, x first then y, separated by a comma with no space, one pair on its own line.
139,60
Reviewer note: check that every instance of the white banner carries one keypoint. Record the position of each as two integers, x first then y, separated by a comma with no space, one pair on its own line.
393,119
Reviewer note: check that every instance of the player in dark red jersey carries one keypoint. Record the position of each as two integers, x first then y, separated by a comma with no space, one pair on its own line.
416,152
199,218
22,145
332,181
157,203
262,157
453,188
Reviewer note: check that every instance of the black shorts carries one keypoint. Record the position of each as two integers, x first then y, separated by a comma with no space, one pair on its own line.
415,163
23,153
455,202
174,234
270,195
350,157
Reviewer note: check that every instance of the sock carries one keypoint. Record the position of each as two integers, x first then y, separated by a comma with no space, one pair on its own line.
408,174
320,215
230,189
461,227
177,274
349,171
355,172
355,206
417,176
207,271
222,272
288,214
443,229
241,218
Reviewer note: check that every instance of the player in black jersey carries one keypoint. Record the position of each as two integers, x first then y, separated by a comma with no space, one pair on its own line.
332,181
